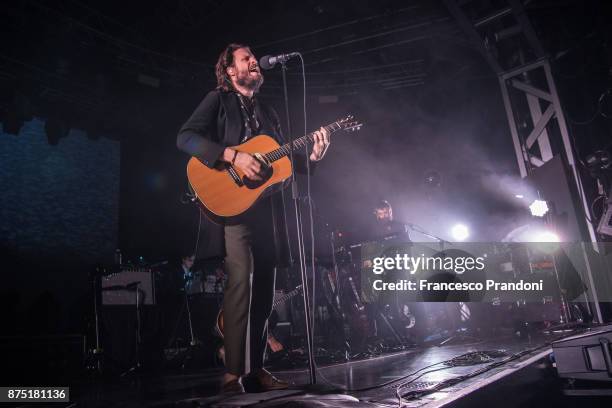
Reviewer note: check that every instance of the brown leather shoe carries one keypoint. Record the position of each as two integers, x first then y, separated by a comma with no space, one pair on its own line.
262,381
232,387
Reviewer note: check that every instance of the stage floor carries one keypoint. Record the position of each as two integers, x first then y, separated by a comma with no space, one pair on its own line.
371,382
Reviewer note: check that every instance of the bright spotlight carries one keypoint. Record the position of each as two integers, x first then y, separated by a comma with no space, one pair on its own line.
538,208
547,236
460,232
519,196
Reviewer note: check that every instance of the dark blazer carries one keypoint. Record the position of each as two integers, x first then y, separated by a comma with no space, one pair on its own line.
216,124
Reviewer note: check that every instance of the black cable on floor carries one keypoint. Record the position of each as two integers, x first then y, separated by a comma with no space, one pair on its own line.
448,364
458,379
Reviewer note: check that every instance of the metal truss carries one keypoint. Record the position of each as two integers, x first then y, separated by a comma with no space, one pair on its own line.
545,112
509,44
528,88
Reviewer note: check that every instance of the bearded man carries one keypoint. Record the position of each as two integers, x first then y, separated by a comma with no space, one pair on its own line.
227,117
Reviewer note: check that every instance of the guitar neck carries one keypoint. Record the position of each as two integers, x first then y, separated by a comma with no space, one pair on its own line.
286,297
305,140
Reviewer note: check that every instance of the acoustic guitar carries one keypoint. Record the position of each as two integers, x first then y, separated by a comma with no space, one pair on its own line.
225,191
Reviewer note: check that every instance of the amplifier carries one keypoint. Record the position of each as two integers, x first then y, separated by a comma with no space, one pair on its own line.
121,288
586,356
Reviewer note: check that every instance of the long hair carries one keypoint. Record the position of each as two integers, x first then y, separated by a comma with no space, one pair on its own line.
226,59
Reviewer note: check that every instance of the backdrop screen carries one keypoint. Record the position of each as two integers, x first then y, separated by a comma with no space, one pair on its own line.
60,200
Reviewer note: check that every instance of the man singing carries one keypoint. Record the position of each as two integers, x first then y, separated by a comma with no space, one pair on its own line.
228,116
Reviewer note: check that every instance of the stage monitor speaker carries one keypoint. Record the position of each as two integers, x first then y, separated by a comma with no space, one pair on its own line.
585,356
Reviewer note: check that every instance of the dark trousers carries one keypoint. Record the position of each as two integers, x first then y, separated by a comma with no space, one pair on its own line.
248,297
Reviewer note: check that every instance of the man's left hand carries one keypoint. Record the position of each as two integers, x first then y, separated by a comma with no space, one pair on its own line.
321,143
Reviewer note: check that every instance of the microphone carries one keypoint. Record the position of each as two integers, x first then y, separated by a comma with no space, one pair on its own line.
269,61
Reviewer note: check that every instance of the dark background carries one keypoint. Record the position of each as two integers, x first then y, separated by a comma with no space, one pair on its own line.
132,72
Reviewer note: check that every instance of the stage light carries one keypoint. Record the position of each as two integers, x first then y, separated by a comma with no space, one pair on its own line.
538,208
460,232
546,236
533,232
519,196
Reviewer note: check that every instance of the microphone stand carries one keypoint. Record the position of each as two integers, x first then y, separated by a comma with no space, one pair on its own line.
300,235
420,230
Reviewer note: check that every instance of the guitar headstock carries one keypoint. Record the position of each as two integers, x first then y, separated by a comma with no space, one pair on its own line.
349,123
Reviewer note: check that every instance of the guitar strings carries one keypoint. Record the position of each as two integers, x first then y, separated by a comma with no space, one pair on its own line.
298,143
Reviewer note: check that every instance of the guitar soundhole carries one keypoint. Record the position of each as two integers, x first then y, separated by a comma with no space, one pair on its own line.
253,184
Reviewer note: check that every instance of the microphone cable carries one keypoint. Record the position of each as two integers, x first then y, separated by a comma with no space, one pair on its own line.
195,250
191,197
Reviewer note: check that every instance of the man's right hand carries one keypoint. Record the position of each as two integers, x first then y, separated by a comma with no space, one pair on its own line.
244,162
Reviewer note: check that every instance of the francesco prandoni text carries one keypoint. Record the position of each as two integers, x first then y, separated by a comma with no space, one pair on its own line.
459,265
489,284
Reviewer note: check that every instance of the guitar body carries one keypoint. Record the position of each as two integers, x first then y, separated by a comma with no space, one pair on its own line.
225,195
